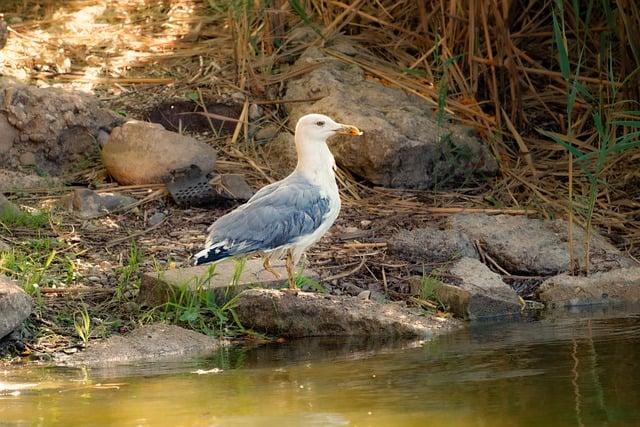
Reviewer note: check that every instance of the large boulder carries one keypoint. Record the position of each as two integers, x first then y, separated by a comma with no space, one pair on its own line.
49,129
308,314
15,306
403,145
145,153
478,293
612,287
534,246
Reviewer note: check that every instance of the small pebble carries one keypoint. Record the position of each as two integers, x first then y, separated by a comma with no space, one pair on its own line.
156,218
364,295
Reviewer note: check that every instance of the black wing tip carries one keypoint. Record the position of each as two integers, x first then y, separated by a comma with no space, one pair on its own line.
210,255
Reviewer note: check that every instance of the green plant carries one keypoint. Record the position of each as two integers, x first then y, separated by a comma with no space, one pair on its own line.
18,218
616,131
307,282
129,274
83,326
196,306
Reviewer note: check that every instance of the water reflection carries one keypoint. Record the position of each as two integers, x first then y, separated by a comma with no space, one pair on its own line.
577,369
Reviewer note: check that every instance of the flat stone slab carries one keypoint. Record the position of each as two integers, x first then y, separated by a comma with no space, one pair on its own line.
306,314
156,288
147,343
613,287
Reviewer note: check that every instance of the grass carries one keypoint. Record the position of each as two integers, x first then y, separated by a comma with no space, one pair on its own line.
83,324
18,218
429,284
37,263
129,273
197,307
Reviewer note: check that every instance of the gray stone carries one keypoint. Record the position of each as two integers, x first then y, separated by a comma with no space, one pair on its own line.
266,133
15,306
280,154
88,204
534,246
403,145
145,153
431,244
11,180
8,135
480,293
156,288
148,343
49,128
156,218
231,186
305,314
611,287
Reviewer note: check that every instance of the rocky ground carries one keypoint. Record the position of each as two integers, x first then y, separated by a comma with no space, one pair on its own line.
95,200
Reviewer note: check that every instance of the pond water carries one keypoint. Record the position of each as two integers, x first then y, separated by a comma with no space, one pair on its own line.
571,370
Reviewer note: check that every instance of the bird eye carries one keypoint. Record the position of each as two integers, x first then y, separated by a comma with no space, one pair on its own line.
320,123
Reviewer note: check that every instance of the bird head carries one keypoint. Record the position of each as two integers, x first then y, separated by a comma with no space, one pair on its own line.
321,127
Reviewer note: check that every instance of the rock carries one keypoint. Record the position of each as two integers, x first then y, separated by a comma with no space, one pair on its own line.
48,128
89,204
530,246
15,306
145,153
310,314
27,159
147,343
156,288
430,244
14,180
611,287
8,136
403,144
232,187
266,133
480,294
280,154
156,218
255,112
4,32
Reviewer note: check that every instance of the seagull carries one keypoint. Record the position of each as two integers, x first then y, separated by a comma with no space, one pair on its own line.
288,216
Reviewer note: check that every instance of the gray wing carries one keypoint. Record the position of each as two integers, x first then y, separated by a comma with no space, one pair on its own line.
266,190
278,217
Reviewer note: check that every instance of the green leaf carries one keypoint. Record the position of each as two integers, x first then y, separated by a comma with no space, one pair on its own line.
189,315
560,40
193,96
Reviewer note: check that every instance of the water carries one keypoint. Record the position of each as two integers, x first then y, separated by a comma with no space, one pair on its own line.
573,370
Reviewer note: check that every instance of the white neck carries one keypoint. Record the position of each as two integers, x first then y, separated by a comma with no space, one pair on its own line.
315,161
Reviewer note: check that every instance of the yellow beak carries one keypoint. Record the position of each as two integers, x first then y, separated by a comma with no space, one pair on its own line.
349,130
